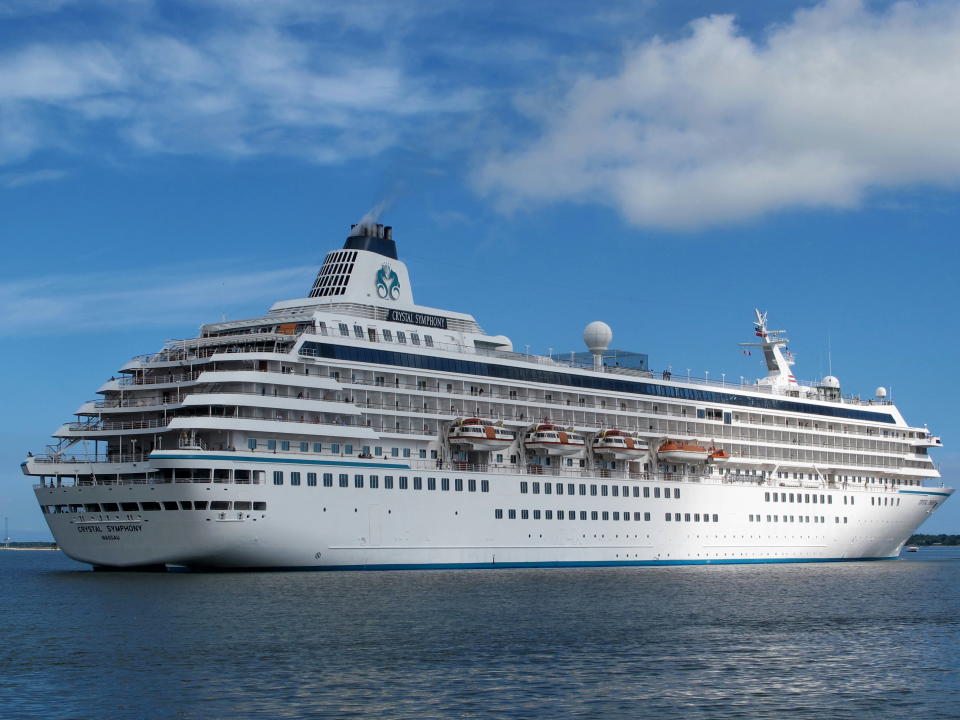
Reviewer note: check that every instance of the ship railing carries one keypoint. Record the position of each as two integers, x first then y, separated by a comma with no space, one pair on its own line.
158,379
90,458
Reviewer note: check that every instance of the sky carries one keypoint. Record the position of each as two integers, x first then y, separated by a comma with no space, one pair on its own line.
664,166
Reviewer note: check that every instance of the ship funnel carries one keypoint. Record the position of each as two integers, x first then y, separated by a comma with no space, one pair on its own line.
372,237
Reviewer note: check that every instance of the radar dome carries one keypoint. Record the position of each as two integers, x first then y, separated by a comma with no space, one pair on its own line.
881,392
830,382
597,335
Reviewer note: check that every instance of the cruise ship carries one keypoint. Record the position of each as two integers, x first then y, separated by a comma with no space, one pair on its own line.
355,429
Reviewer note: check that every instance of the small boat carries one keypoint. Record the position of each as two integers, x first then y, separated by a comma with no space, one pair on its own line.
679,453
912,548
553,440
619,445
718,455
480,434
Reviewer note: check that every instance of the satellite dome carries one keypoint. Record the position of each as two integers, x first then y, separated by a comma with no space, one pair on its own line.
830,382
597,336
881,392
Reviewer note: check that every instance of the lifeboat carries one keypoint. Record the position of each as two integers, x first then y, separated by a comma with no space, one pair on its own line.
553,440
718,455
619,445
676,452
480,434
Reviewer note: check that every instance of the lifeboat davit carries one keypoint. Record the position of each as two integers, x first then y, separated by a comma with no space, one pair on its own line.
676,452
480,434
619,445
553,440
718,455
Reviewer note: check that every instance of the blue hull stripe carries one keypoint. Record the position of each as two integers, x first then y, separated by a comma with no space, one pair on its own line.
924,492
270,459
557,564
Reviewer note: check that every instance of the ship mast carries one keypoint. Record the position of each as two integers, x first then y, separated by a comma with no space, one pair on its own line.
775,354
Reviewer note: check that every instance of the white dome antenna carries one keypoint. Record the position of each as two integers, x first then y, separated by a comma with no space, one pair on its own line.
881,393
597,336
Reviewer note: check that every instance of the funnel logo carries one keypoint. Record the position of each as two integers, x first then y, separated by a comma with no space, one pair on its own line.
388,284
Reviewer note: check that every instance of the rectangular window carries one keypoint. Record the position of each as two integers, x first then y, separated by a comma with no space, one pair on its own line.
406,452
593,515
571,489
388,482
716,518
676,493
344,480
484,486
548,514
304,447
536,514
348,449
524,514
536,488
428,340
278,477
294,478
458,484
402,482
686,517
603,490
358,481
646,492
401,336
271,444
498,514
583,489
431,483
547,488
318,447
395,452
471,485
444,483
615,491
524,487
593,489
374,482
656,492
328,479
335,448
583,514
668,517
606,515
311,479
388,335
512,514
418,483
251,444
285,445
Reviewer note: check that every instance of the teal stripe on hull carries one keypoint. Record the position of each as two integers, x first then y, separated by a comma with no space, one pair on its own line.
924,492
271,459
555,564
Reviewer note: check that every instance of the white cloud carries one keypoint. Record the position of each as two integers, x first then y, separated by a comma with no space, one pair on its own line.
250,82
716,127
67,303
15,180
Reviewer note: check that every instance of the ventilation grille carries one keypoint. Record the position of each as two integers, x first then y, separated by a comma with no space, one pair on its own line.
334,274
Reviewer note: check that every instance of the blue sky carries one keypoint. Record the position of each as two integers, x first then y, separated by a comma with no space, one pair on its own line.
663,166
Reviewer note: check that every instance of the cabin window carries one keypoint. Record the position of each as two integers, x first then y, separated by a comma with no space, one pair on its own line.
484,486
285,445
401,337
431,483
311,479
498,514
458,484
167,505
402,482
278,477
388,335
524,514
444,483
344,330
418,483
294,478
344,480
428,340
317,447
512,514
272,445
414,338
388,482
251,444
358,331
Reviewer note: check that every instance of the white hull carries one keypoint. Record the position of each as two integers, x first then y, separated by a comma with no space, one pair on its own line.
348,527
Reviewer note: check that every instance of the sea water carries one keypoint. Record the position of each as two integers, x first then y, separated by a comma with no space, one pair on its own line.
832,640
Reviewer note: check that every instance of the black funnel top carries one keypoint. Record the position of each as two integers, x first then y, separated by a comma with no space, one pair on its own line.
375,238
